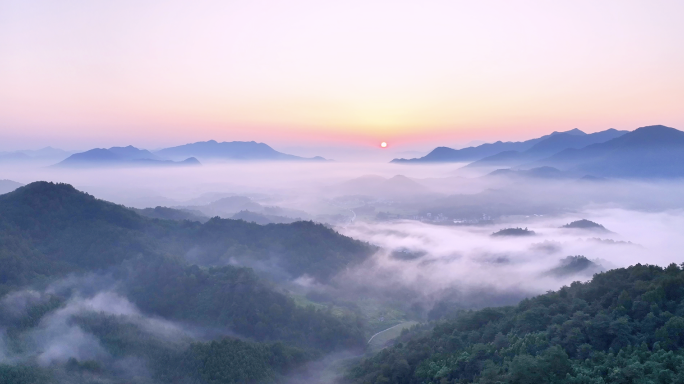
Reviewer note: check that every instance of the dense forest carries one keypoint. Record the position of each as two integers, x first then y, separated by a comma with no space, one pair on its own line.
229,324
176,306
51,229
237,299
624,326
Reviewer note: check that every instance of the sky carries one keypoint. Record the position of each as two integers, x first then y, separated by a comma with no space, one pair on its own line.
416,74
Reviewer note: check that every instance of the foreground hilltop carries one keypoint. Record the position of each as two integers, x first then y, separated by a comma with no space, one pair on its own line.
626,325
170,295
74,229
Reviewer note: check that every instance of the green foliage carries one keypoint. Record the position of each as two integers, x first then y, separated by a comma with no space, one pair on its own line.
625,326
234,298
51,229
11,374
235,361
178,359
298,248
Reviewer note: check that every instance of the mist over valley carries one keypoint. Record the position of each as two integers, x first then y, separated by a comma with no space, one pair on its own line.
321,192
298,270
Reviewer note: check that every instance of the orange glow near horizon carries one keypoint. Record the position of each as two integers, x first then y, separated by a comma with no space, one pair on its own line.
327,72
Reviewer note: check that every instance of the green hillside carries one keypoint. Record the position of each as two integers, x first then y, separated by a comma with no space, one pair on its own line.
625,326
256,331
51,229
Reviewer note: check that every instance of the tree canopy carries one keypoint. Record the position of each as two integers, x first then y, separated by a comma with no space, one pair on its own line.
624,326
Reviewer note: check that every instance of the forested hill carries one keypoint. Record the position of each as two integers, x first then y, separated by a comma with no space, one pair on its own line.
53,235
625,326
51,229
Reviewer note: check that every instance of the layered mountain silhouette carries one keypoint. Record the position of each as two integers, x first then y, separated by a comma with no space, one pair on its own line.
233,150
7,186
450,155
538,173
166,213
43,154
262,219
58,229
183,155
228,206
244,208
121,156
548,147
655,151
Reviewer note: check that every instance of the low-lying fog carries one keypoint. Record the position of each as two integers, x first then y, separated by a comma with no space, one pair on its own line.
437,210
434,223
434,226
432,259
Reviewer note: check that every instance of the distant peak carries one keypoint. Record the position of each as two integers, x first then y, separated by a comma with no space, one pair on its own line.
46,188
655,127
575,131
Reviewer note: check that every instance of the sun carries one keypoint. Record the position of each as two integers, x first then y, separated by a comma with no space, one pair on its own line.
383,144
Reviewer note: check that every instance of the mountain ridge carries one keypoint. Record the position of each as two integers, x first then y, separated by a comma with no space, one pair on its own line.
547,147
446,154
120,156
230,150
654,151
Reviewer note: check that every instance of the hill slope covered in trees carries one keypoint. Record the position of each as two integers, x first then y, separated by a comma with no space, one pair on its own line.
122,287
624,326
52,229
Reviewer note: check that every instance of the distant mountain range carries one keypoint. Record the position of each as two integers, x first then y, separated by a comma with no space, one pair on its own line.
166,213
44,154
233,150
183,155
654,151
121,156
648,152
449,155
7,186
548,147
538,173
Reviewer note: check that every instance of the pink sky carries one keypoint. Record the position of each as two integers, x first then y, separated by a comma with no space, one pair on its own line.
77,74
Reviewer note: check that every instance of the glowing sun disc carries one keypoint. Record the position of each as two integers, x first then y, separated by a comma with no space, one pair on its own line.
383,144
